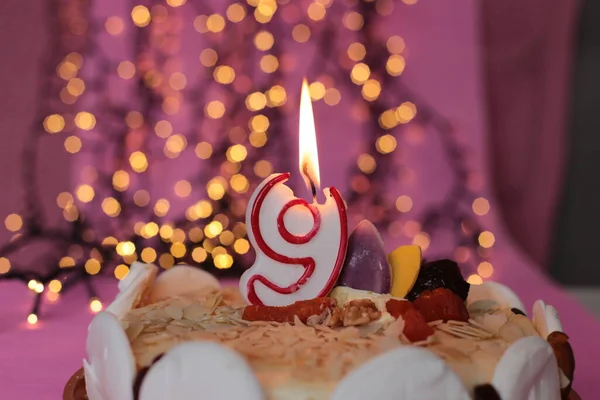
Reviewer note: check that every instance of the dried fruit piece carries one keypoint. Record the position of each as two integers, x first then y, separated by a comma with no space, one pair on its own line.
440,274
415,326
398,307
302,309
139,378
564,357
441,304
517,311
485,392
406,264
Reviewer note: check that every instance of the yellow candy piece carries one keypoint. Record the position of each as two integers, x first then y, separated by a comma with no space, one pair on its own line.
406,263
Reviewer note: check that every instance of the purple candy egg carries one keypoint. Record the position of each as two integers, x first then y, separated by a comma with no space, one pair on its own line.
366,266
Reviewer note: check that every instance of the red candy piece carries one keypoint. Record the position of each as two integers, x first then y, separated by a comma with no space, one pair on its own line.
441,304
302,309
415,326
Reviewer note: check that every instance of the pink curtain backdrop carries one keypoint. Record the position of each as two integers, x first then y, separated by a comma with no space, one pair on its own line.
528,47
22,43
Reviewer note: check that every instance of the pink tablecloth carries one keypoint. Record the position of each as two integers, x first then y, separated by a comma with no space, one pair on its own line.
35,362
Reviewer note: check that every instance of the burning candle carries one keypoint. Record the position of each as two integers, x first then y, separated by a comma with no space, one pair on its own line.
300,247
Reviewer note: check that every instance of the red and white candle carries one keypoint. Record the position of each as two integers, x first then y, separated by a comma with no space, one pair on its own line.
300,247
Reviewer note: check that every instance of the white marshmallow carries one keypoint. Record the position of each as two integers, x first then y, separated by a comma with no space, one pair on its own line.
408,373
179,280
207,370
545,319
493,294
527,371
132,288
110,369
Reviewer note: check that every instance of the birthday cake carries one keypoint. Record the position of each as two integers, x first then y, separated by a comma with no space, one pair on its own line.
416,330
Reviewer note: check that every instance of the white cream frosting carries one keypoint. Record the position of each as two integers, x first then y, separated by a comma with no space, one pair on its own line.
344,294
527,370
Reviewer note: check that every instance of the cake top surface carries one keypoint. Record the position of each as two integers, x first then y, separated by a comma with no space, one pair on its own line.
284,355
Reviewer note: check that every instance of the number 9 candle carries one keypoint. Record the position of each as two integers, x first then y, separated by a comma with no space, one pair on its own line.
300,247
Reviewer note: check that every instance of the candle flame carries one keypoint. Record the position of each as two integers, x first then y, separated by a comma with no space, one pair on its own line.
309,156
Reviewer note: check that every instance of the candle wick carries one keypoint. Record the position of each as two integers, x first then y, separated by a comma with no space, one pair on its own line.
313,188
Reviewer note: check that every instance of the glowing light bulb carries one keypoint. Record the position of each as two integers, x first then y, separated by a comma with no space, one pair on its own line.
475,279
32,319
95,306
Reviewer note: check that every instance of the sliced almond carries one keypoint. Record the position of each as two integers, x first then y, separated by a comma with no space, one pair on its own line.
157,314
177,330
134,330
195,311
174,312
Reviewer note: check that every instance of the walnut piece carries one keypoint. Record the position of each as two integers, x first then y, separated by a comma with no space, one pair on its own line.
318,319
360,312
334,320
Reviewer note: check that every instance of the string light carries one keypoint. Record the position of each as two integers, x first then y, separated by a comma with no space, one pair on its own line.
475,279
481,206
241,246
95,306
485,269
224,74
122,270
301,33
486,239
166,261
111,207
54,123
120,180
92,266
114,25
140,16
208,57
332,96
138,161
232,99
183,188
236,12
13,222
141,198
148,255
55,286
264,40
223,261
199,254
404,203
4,265
395,65
85,120
66,262
32,319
